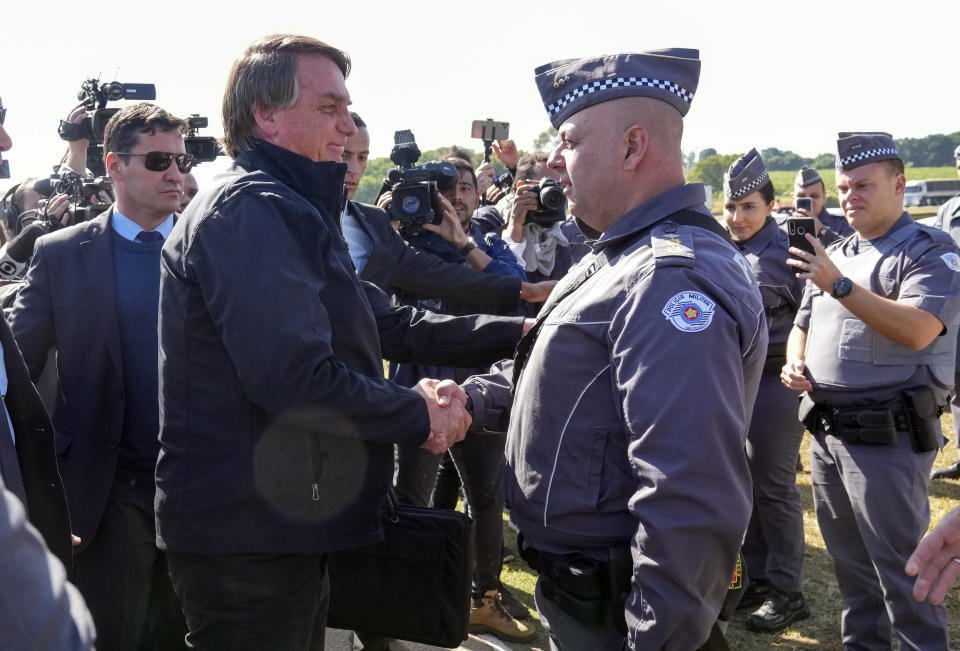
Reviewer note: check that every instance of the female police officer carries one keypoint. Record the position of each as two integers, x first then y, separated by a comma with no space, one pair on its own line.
774,544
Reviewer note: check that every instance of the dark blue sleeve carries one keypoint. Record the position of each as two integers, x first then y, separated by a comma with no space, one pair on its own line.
502,260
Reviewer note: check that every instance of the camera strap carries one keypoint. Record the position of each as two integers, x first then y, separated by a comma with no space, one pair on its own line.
685,218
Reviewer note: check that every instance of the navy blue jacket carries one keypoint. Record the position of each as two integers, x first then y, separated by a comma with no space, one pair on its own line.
276,423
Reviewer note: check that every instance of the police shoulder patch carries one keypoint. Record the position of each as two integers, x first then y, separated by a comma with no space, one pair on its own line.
689,311
952,260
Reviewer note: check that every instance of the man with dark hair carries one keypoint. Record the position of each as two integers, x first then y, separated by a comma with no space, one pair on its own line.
276,424
92,292
873,347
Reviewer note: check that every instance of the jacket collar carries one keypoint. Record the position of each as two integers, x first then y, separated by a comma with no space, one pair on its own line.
319,183
761,238
684,197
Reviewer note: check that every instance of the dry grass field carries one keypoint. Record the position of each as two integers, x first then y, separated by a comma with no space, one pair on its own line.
822,629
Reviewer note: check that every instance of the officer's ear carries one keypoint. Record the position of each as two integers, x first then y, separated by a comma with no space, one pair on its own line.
637,140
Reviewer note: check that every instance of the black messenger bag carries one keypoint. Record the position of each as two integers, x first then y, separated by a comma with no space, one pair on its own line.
414,585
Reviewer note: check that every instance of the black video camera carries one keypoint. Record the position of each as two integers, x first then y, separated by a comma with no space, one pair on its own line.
80,189
414,188
95,96
203,148
551,204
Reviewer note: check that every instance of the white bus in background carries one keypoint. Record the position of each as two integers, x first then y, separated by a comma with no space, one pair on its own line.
930,192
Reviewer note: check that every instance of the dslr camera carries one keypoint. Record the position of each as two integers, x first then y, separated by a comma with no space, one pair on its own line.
551,204
415,188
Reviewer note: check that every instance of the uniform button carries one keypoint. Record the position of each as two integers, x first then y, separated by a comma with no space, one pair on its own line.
113,444
669,227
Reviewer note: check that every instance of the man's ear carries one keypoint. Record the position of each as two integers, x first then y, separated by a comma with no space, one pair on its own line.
114,166
636,140
265,122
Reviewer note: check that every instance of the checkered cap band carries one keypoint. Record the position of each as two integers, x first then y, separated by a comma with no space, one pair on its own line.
844,163
747,188
617,82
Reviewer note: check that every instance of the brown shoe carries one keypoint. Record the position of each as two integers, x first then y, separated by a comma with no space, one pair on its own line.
488,616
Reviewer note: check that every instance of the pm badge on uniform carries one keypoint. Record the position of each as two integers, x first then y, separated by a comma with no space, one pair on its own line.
952,260
689,311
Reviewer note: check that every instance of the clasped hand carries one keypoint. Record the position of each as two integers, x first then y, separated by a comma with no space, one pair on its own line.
446,405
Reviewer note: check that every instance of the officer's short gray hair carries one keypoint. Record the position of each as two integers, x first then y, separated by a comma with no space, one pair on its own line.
266,77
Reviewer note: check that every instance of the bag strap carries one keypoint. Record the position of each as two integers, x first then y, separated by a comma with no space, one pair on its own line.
683,217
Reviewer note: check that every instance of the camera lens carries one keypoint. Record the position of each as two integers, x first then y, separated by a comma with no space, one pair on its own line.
410,204
551,195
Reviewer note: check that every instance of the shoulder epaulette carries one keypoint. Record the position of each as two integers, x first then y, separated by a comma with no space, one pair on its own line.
673,244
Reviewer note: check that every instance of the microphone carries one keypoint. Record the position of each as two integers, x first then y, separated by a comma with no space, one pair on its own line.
15,254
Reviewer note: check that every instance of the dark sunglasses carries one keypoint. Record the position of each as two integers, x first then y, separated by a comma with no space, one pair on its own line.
159,161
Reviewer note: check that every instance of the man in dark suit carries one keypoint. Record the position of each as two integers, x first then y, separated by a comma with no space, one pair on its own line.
384,259
28,463
92,292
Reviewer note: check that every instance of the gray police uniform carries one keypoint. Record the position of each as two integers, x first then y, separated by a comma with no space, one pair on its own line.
774,545
870,485
630,418
948,220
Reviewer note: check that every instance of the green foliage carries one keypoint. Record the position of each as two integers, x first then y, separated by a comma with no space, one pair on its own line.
711,169
547,140
930,151
824,161
707,153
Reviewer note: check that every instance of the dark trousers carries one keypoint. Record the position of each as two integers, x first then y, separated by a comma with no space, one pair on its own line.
253,602
122,575
479,461
774,543
872,508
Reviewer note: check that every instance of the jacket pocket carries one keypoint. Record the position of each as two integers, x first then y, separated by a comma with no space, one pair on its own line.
318,458
598,450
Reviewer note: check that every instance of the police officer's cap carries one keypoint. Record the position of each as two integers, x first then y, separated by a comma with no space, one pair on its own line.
747,174
571,85
858,148
807,177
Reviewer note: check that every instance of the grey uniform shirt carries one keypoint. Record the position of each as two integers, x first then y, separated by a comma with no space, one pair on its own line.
631,414
922,270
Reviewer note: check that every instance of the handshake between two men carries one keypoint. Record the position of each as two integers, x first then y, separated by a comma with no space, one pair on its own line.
449,419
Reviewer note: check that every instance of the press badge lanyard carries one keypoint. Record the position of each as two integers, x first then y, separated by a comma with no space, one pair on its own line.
686,218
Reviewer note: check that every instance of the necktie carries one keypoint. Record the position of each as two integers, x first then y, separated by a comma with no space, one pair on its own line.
148,237
9,465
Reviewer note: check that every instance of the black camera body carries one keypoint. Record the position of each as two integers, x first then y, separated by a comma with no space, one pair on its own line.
415,188
79,188
551,204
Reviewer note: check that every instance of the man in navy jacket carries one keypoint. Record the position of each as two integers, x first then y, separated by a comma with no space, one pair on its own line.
277,425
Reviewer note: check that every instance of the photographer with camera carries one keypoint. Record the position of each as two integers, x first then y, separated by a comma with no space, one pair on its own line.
92,292
478,459
539,233
491,188
383,258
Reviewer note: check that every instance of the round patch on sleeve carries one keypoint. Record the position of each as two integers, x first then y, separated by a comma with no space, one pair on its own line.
689,311
952,260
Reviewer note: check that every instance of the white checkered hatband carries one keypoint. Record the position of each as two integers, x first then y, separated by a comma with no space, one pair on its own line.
864,155
617,82
749,187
